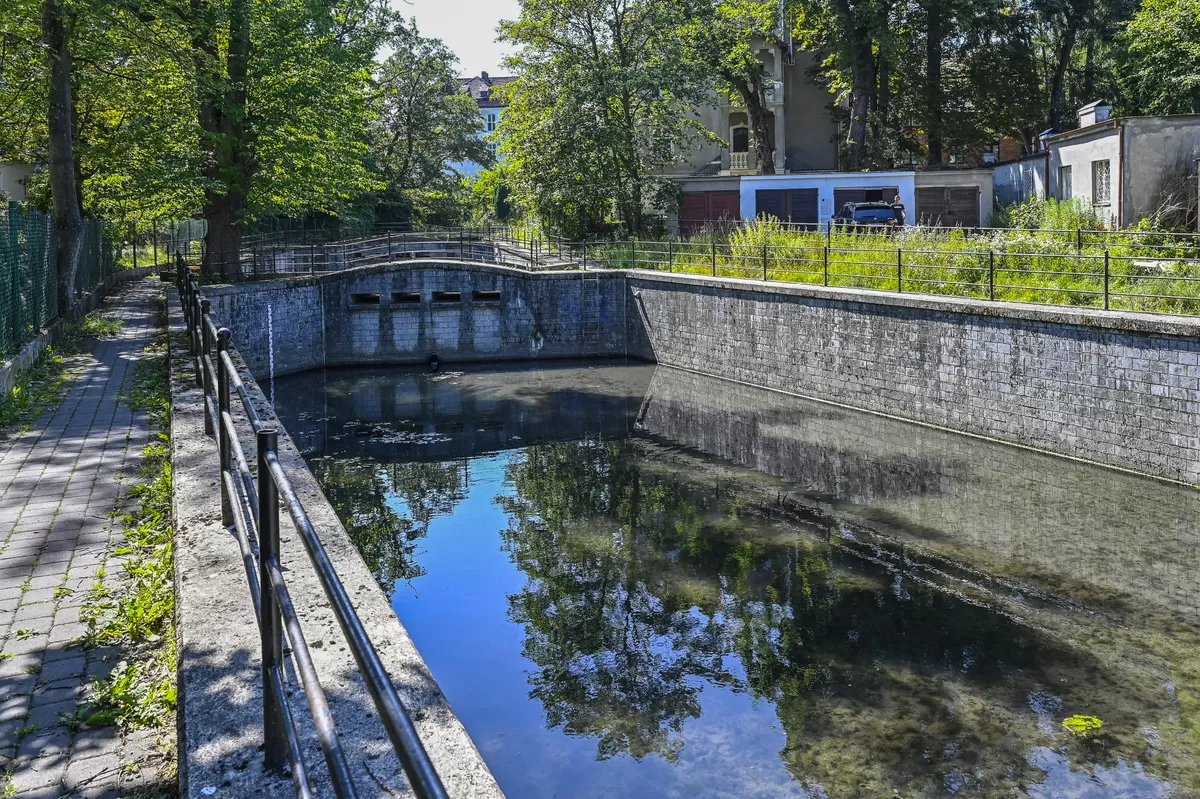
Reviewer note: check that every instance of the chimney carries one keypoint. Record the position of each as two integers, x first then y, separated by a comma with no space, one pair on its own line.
1094,113
483,75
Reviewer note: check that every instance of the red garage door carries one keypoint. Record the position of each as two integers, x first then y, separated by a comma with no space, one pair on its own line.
703,208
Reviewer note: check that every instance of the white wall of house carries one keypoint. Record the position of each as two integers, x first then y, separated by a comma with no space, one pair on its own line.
13,175
825,183
489,118
1157,150
1076,162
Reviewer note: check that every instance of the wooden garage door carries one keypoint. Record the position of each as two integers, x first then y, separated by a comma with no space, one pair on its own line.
948,206
798,206
700,208
843,196
803,206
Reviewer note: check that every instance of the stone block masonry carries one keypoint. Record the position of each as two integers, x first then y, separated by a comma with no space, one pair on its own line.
404,312
1116,388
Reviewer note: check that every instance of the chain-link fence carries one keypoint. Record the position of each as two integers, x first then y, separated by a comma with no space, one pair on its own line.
28,278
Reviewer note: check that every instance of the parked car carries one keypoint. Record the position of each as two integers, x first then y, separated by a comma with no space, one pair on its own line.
872,213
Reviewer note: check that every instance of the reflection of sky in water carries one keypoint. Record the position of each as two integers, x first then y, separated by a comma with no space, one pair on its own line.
1119,782
887,618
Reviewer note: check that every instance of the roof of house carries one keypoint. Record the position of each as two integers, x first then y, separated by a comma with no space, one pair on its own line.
480,88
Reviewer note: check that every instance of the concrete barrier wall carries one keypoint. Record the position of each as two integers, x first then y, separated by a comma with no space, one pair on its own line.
1117,388
402,313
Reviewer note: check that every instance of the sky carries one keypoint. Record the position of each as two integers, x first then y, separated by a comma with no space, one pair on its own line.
468,27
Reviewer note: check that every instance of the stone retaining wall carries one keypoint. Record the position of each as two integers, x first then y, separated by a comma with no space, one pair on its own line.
1112,387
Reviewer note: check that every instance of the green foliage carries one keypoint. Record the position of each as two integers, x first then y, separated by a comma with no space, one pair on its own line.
600,108
423,125
139,616
1050,214
1162,64
1082,725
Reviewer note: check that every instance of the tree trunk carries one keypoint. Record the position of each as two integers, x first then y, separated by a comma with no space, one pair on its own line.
858,38
68,219
1062,58
227,137
933,79
756,112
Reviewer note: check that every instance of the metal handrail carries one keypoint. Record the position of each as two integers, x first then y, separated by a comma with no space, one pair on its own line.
250,510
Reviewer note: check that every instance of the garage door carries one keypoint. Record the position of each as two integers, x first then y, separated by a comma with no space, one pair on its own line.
843,196
948,206
798,206
701,208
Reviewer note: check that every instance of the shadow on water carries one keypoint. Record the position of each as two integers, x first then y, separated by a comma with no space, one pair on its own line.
712,590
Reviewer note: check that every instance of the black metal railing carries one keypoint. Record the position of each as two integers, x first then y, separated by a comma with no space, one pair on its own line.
250,509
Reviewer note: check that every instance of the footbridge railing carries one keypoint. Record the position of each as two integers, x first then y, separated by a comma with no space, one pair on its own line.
250,509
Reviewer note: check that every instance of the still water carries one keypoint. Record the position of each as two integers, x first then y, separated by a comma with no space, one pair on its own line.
638,582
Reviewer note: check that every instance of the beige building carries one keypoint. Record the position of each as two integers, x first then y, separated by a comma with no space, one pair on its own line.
803,130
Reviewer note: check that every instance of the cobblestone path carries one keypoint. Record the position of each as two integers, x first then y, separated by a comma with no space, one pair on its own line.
59,483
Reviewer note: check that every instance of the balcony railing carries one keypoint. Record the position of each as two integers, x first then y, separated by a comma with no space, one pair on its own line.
739,162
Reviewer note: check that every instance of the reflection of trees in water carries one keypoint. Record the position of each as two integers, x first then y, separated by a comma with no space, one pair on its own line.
642,581
360,490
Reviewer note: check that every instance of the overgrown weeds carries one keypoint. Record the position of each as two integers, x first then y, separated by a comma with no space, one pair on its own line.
136,613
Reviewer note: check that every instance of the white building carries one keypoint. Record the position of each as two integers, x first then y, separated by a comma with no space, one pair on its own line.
1121,166
490,109
13,175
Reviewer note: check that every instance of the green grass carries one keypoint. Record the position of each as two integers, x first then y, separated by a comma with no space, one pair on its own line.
1144,274
44,385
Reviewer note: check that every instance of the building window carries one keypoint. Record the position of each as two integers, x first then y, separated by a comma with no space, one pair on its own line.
491,122
740,139
1101,183
1064,183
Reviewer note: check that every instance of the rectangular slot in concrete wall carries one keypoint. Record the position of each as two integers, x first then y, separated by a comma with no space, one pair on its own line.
485,296
447,296
405,297
364,299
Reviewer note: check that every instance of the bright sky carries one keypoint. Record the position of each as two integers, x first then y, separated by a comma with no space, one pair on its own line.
468,27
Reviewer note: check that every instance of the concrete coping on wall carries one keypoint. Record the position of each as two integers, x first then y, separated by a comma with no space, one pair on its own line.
1117,321
219,655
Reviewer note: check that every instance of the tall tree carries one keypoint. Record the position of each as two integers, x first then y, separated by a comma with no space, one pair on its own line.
601,104
1162,62
423,127
57,22
726,35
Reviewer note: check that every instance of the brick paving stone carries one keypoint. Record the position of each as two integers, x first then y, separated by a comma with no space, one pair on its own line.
60,482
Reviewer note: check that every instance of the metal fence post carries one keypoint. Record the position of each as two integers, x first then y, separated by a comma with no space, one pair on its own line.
670,256
1078,240
205,352
899,270
389,240
714,258
1106,276
633,251
226,448
991,274
826,259
270,627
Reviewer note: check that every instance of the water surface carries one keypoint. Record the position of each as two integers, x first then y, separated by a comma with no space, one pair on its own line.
641,582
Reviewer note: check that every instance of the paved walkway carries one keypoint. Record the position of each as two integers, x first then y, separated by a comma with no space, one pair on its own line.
59,482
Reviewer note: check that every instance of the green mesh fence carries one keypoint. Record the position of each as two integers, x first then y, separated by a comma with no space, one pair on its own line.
28,279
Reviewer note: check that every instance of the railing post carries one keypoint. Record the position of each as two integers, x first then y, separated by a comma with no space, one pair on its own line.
899,270
1106,276
670,256
633,250
991,274
826,260
461,252
270,627
1078,240
223,443
205,355
714,258
764,262
389,240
